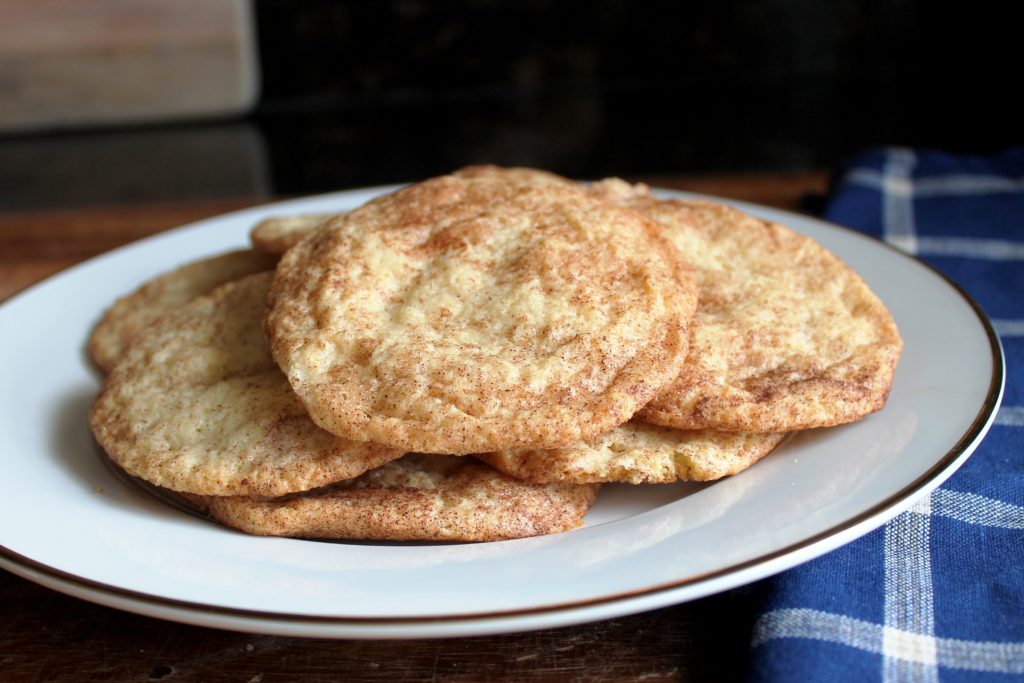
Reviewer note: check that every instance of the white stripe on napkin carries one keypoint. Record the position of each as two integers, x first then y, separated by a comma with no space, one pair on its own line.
897,200
968,247
908,639
937,186
817,625
975,509
1010,416
971,655
1009,328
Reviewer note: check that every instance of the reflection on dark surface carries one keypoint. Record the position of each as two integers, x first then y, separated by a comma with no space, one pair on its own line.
153,164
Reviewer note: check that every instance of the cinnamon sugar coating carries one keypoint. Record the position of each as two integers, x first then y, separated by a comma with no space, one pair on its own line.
481,311
134,312
417,498
786,335
639,453
196,404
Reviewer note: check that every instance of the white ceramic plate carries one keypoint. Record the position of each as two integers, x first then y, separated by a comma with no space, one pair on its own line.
69,523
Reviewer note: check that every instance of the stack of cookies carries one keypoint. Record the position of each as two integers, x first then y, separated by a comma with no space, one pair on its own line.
470,357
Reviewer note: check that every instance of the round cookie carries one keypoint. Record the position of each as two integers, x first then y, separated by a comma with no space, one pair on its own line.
196,404
278,234
639,453
416,498
134,312
470,314
786,336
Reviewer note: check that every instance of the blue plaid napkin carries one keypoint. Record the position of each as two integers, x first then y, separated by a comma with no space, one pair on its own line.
937,593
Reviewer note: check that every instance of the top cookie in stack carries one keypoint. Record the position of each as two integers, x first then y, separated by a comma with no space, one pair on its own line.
480,311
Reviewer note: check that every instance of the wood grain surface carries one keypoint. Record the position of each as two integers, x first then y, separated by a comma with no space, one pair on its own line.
47,636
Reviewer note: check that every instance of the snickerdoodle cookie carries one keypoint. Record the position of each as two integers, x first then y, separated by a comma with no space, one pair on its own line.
196,404
786,335
639,453
135,311
480,312
416,498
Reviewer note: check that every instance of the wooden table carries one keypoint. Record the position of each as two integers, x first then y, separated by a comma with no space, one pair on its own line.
45,635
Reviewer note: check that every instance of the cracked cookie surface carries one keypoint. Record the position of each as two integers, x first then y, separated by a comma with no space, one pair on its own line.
196,404
786,335
479,312
132,313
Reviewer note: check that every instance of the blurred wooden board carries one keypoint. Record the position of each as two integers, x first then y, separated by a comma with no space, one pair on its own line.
67,64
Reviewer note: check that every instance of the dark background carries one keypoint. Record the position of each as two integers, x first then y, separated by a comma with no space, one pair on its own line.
630,87
362,92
